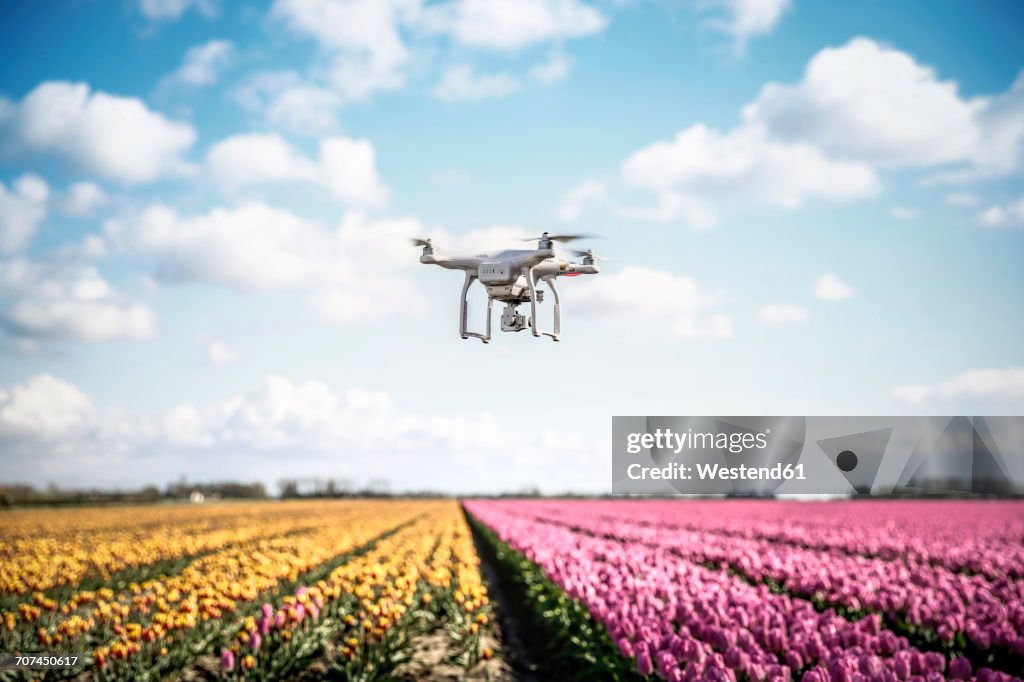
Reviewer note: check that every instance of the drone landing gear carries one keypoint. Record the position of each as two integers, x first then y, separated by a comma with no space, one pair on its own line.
464,313
535,296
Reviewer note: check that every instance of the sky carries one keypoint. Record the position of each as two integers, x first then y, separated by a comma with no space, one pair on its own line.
812,209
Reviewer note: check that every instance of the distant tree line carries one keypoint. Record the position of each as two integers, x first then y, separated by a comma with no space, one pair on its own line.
19,494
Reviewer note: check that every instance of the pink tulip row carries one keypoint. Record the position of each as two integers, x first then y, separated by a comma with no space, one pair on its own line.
973,537
989,612
681,621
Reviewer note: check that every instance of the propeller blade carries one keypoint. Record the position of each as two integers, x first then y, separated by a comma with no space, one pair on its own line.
589,254
419,242
561,237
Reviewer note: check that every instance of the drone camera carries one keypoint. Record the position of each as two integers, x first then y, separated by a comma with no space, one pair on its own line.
511,321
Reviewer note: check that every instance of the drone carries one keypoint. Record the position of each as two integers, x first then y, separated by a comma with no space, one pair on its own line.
512,277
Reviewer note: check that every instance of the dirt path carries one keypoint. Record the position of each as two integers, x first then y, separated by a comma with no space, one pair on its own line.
511,660
516,653
431,660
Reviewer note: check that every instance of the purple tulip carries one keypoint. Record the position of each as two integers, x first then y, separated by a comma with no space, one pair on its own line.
666,662
960,669
693,584
643,662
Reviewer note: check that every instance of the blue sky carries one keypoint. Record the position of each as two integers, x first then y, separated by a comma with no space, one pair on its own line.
814,208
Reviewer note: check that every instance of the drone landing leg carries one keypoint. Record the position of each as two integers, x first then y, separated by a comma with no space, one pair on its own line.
558,308
464,313
532,281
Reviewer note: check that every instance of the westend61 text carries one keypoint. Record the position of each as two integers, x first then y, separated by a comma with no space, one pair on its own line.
716,472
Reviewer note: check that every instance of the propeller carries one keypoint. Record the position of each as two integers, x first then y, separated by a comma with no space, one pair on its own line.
559,237
589,253
420,242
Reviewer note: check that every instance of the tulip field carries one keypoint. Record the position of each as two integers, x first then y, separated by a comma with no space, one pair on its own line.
766,590
239,591
598,589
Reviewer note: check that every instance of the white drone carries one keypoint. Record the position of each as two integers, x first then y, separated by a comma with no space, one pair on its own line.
512,276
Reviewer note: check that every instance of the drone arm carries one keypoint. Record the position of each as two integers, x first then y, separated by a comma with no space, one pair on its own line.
464,312
451,262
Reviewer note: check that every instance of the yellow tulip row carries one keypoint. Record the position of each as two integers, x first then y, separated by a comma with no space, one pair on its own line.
370,595
226,561
43,549
212,586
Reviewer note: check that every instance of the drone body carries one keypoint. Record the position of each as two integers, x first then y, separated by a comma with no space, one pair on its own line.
512,277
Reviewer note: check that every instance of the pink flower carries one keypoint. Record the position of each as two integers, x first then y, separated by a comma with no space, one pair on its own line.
960,669
227,660
644,666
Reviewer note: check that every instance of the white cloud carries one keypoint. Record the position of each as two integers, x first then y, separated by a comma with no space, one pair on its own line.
576,199
217,351
461,82
644,294
830,288
346,167
44,409
115,137
307,109
745,19
83,198
858,106
871,102
363,36
1000,384
259,248
50,426
874,103
902,213
60,300
701,161
365,44
22,208
962,199
1000,150
173,10
284,100
491,238
555,69
251,248
782,313
242,160
90,247
1010,214
696,212
203,63
911,394
512,24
